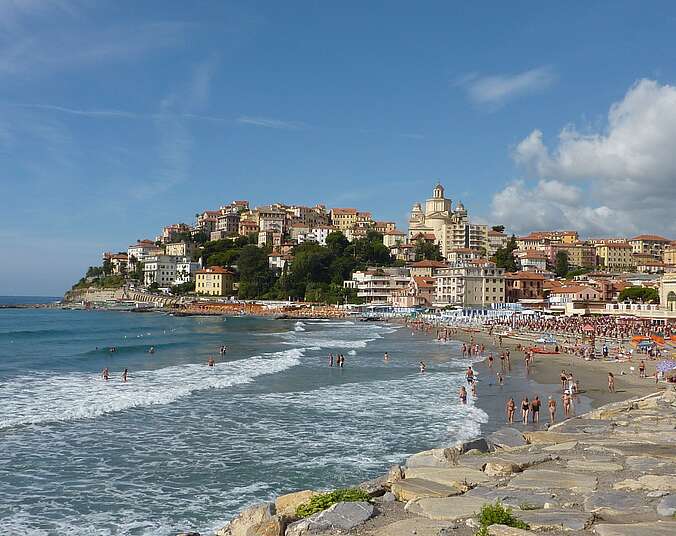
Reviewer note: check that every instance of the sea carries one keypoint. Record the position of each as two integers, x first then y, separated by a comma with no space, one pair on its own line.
182,446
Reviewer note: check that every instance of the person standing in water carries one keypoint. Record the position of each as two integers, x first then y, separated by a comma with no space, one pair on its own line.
511,408
211,362
105,374
525,409
423,367
330,360
387,357
462,393
535,409
551,406
124,375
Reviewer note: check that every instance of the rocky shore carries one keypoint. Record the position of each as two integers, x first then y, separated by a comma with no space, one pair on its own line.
610,472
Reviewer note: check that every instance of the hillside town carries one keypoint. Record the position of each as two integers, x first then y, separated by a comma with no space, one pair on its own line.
442,261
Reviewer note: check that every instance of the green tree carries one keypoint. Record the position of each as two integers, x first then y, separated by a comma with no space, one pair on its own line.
255,276
107,267
642,294
561,267
498,228
427,251
224,258
337,243
504,257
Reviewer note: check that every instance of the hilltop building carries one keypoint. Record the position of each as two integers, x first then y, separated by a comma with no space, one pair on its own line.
449,227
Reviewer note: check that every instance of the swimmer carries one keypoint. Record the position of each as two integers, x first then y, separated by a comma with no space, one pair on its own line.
151,350
462,393
423,367
387,357
124,375
211,362
105,374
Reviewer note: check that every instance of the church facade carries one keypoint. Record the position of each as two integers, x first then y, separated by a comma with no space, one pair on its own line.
447,226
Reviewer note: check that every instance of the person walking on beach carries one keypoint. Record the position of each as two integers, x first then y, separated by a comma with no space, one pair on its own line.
124,375
490,360
511,408
105,374
564,378
501,380
551,406
463,394
611,382
641,369
525,409
535,409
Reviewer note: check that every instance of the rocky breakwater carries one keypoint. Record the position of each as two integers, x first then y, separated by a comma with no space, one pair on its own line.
611,472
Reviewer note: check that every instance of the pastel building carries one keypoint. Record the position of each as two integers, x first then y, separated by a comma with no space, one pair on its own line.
214,281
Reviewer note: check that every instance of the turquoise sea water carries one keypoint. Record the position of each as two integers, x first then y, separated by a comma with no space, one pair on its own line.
182,446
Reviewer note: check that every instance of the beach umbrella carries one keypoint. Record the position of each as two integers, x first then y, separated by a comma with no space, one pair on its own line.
587,327
666,365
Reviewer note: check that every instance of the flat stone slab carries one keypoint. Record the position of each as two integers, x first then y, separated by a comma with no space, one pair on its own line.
593,466
344,515
513,498
455,476
645,463
619,506
657,528
504,530
446,509
547,479
667,506
561,447
415,488
507,438
556,519
408,527
548,438
649,482
585,426
639,449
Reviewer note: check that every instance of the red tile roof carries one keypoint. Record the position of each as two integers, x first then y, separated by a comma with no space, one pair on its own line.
428,264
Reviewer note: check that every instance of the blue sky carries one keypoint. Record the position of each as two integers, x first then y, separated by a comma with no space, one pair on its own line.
117,118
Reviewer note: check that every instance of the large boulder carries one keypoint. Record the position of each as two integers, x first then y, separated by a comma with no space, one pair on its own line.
343,516
415,488
434,458
375,487
507,438
481,444
556,519
446,509
286,504
619,506
667,506
455,476
257,520
544,479
501,468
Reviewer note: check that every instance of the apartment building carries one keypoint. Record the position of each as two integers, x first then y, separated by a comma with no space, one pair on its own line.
246,227
186,269
214,281
580,255
343,218
615,257
181,249
496,241
647,244
170,232
142,249
228,223
378,286
474,284
523,286
160,269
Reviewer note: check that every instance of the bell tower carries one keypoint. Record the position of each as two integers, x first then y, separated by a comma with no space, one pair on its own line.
438,203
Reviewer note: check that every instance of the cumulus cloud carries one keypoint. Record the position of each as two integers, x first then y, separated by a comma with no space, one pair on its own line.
622,179
496,89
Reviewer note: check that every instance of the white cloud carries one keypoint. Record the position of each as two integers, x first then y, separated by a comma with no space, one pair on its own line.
620,180
271,123
496,89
